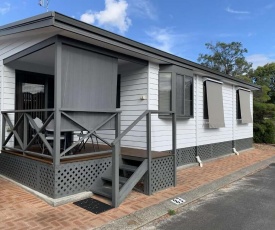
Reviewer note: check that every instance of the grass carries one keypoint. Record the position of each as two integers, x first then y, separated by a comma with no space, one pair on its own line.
171,212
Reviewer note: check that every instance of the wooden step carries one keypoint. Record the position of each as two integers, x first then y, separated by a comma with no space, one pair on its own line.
103,191
129,168
122,180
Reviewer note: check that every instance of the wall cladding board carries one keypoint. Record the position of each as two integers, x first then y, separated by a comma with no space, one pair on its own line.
134,85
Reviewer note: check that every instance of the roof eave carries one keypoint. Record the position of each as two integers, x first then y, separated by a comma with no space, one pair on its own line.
49,19
39,21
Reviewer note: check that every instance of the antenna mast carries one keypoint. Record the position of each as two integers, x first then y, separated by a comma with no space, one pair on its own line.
45,4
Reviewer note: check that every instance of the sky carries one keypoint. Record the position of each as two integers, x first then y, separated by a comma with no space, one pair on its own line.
180,27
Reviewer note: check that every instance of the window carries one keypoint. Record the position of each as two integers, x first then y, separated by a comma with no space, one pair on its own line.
205,106
118,92
165,91
213,103
184,98
238,108
243,106
176,91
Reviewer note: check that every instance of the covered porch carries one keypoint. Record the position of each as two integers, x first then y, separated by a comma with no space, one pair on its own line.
78,103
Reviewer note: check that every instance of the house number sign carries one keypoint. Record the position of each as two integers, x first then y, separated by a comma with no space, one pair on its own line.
178,200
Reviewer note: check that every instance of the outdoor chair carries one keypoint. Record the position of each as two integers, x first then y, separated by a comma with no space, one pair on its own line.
48,136
82,144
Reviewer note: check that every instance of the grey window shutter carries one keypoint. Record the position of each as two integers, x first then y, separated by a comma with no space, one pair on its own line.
88,83
245,106
215,104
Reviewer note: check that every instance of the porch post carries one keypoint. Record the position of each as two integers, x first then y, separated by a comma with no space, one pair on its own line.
57,103
149,147
115,164
174,145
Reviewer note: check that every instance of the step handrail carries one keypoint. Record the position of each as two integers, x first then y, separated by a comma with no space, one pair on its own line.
121,135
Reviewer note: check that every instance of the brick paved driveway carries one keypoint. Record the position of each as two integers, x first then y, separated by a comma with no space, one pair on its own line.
22,210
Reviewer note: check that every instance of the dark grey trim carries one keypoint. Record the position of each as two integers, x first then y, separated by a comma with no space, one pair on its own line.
176,70
30,50
27,21
96,49
67,21
57,103
27,24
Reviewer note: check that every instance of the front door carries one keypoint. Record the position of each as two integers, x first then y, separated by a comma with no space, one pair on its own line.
33,91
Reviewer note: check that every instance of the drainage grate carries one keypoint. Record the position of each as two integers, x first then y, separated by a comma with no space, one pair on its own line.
93,205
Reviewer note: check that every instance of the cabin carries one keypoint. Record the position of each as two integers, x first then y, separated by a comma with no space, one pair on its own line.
83,109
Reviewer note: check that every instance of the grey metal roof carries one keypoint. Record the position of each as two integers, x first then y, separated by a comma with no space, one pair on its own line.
54,18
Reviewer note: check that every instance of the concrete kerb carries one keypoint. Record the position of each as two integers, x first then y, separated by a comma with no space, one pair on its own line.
145,216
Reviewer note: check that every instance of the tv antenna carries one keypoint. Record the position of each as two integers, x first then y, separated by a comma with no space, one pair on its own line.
45,4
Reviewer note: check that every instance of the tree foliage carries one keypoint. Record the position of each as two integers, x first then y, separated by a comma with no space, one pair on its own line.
227,58
265,76
264,107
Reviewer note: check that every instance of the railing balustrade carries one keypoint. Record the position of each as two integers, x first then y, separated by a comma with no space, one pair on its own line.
116,149
25,121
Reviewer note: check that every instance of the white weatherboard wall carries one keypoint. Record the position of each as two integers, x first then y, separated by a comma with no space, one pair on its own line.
7,75
162,128
134,86
195,131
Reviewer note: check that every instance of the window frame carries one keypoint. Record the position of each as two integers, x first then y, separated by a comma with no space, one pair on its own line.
175,71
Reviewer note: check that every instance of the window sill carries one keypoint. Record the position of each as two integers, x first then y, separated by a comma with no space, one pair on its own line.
178,117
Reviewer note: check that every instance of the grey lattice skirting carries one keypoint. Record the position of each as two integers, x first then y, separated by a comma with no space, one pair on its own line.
162,173
67,179
188,155
243,144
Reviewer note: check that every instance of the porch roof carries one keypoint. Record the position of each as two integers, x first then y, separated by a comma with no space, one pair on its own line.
66,26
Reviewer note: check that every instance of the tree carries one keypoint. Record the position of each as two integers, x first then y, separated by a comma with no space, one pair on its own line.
264,107
227,58
265,76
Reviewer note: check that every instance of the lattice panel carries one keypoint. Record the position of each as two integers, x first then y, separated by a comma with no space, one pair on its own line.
243,144
162,173
46,185
78,177
222,148
24,171
205,151
186,156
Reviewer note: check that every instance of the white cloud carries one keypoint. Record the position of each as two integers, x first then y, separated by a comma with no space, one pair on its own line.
114,16
259,60
5,8
88,17
229,10
161,39
167,40
143,8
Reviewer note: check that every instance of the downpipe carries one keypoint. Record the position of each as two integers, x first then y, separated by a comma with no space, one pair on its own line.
199,161
236,152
